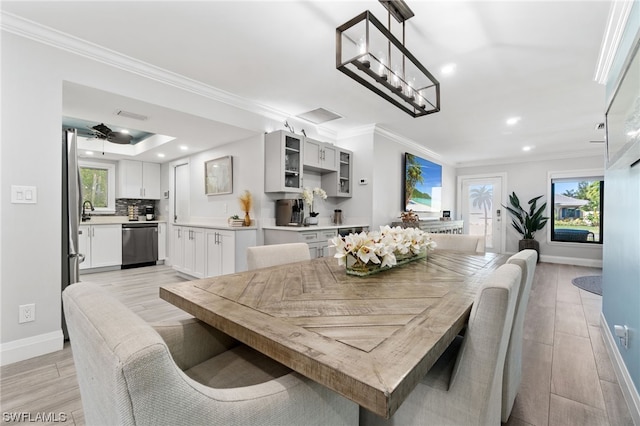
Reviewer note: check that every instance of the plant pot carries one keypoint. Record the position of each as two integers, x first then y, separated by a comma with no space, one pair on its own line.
530,244
311,220
356,267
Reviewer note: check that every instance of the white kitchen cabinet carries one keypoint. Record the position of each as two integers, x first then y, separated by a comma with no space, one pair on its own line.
340,183
177,247
202,251
193,244
283,159
138,180
101,245
220,252
162,241
320,156
317,239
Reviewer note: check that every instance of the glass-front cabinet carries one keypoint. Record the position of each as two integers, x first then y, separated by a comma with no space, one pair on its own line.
340,183
284,154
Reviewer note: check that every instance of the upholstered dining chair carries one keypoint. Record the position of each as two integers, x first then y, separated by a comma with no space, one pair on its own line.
526,260
463,387
459,242
131,373
276,254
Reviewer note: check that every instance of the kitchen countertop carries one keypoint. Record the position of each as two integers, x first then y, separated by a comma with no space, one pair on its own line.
115,220
215,226
314,227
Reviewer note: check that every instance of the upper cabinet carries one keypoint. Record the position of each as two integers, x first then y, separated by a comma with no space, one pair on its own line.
320,156
284,154
340,183
138,180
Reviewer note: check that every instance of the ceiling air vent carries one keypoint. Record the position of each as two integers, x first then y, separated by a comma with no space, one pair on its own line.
123,113
319,116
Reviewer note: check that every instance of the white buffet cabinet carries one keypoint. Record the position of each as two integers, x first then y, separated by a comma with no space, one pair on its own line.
316,237
207,251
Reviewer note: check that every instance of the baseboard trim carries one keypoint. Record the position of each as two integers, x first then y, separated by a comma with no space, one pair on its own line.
577,261
30,347
631,396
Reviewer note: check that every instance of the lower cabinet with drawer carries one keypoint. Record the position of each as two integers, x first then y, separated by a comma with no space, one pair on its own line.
200,251
317,239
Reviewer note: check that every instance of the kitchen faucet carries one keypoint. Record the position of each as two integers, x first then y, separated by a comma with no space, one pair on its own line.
84,205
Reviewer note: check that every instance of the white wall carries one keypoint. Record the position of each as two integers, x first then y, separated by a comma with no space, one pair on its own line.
530,179
30,235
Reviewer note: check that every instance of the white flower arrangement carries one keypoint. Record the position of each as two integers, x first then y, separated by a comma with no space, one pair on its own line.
308,195
382,247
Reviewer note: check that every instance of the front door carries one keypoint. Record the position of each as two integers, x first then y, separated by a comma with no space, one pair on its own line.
481,209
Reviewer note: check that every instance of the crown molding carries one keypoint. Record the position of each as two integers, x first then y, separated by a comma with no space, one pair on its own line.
409,143
618,16
22,27
568,155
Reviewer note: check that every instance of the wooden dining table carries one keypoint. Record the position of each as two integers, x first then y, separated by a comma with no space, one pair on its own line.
371,339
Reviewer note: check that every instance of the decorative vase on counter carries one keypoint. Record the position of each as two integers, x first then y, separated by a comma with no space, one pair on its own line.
311,220
247,219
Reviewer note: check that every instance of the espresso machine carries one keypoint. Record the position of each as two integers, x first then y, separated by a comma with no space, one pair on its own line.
289,212
149,212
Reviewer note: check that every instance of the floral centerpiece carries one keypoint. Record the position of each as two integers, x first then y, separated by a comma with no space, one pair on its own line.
370,252
308,195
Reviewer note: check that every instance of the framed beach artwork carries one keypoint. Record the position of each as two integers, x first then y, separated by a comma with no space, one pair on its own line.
422,185
218,176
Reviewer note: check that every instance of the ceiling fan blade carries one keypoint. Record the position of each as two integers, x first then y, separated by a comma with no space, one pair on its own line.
119,138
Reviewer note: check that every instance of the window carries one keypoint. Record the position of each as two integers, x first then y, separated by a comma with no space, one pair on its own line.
577,208
98,185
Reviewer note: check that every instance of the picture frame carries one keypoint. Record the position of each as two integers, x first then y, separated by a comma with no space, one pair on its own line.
421,185
218,176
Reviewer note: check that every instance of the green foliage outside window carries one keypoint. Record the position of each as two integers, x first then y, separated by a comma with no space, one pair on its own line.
95,186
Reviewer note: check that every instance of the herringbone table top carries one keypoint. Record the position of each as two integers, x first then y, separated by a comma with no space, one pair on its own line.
370,339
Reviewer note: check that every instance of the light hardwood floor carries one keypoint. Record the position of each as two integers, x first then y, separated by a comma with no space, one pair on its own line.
568,378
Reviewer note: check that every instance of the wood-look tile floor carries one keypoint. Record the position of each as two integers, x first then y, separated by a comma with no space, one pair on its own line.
568,378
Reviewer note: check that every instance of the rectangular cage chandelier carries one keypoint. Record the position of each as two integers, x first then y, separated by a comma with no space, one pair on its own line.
367,52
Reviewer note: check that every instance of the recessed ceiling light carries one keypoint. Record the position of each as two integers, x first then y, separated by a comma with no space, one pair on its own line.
161,155
89,152
513,120
448,69
527,148
184,147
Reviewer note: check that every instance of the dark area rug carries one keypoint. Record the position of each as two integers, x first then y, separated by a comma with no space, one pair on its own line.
590,283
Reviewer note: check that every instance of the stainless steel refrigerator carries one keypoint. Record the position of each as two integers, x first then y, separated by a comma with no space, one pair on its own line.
71,211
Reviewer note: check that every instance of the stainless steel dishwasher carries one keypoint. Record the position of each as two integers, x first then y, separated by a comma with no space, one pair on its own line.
139,244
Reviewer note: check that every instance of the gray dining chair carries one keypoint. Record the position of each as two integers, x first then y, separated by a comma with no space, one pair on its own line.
276,254
512,377
130,372
463,387
459,242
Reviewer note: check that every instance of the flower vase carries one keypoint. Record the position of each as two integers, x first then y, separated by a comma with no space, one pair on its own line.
247,219
311,220
356,266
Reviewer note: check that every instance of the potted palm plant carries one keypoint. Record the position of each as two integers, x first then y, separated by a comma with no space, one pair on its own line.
527,222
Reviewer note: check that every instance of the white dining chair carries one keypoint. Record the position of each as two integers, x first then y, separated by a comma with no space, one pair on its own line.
526,260
276,254
183,373
459,242
463,387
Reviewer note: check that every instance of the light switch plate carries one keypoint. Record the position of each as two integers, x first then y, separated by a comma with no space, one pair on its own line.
21,194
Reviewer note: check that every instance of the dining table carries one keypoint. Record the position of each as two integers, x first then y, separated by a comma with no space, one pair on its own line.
369,338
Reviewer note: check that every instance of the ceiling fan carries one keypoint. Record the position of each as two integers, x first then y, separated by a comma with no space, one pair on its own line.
100,131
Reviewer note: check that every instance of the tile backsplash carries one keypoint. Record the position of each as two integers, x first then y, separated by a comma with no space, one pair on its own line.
122,206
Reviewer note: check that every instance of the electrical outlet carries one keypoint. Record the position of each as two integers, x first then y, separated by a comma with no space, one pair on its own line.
27,313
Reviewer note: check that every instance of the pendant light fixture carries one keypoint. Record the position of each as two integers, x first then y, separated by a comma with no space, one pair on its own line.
370,54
